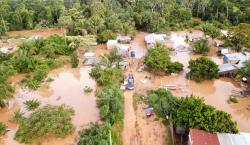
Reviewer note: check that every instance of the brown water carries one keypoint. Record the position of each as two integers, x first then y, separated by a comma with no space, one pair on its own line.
67,88
215,92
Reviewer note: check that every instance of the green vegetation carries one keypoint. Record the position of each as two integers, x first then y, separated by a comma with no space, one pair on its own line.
174,67
74,60
191,112
158,60
105,35
106,75
110,102
35,58
32,104
211,30
246,70
87,89
201,46
3,129
49,120
239,37
95,135
232,99
201,69
18,117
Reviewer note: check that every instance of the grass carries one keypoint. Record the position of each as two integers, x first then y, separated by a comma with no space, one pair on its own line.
232,99
32,104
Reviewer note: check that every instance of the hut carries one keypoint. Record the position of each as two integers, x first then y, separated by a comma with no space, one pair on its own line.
123,39
112,44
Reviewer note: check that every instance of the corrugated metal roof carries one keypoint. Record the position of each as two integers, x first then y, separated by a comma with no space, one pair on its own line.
234,139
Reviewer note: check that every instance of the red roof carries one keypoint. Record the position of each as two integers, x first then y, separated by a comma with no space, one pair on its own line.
200,137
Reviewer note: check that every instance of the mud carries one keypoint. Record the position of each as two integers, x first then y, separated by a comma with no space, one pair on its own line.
67,88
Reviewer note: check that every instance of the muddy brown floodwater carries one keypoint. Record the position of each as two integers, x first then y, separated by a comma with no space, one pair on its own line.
67,88
138,128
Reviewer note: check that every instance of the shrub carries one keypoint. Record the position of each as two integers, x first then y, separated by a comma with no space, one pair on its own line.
105,35
110,102
32,104
18,117
95,135
157,58
87,89
232,99
201,46
74,60
49,120
211,30
202,68
3,129
174,67
191,112
106,75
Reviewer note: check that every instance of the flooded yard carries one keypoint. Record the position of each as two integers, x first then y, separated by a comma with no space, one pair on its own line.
67,88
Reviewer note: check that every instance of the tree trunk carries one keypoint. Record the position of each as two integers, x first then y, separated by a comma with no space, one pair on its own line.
4,26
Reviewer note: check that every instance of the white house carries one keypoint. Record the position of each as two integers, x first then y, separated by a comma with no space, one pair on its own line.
152,39
112,44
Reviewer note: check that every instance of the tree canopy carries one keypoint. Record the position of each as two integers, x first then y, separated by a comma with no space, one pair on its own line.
202,68
191,112
201,46
48,120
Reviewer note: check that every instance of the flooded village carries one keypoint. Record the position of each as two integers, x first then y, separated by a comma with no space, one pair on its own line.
68,85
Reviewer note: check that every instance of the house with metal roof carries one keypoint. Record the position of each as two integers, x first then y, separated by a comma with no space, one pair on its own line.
200,137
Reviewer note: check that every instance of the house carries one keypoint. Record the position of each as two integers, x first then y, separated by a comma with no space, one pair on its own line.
235,58
200,137
112,44
123,39
224,51
89,58
152,39
227,69
123,49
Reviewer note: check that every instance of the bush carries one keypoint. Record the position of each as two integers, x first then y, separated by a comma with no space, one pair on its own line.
110,102
106,75
105,35
232,99
18,117
201,46
191,112
3,129
162,101
74,60
95,135
49,120
157,58
174,67
32,104
211,30
202,68
87,89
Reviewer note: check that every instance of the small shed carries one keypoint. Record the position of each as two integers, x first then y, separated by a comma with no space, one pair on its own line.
112,44
227,69
152,39
123,39
123,49
89,58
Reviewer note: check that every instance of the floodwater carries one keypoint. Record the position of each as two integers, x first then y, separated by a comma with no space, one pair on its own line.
67,88
215,92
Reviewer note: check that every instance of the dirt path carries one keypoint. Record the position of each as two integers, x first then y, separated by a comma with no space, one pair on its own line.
129,132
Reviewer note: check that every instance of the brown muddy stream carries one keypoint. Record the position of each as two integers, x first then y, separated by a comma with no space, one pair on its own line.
67,88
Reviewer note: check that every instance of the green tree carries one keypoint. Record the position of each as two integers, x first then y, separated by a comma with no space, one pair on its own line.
210,30
74,60
157,58
174,67
48,120
105,35
246,70
201,69
201,46
3,129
